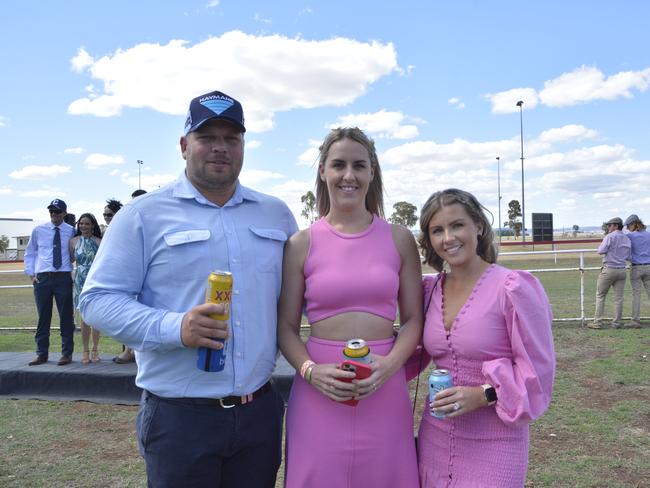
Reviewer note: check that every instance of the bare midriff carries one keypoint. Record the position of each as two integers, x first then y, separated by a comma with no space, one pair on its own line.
351,325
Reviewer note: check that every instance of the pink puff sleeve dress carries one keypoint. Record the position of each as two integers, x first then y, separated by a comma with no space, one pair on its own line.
501,336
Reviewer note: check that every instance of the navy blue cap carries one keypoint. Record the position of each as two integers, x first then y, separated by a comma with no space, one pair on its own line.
214,105
58,204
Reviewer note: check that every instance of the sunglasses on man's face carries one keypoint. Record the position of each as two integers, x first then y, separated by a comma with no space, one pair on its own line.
56,211
108,214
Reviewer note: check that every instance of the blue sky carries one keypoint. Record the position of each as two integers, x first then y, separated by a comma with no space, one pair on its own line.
89,88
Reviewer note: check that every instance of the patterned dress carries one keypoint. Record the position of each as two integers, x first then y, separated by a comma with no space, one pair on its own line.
84,254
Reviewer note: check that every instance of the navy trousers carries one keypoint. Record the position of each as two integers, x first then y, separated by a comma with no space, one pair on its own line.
57,286
209,446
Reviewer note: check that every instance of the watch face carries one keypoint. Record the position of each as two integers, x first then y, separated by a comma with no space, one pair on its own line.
491,394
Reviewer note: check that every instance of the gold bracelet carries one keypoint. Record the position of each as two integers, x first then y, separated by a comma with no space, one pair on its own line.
305,365
310,368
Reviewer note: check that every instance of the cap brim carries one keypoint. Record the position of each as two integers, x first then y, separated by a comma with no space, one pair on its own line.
233,122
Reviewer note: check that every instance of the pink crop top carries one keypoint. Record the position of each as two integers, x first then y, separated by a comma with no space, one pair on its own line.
351,272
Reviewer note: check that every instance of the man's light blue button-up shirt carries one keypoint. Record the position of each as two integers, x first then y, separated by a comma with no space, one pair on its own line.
39,254
153,265
616,249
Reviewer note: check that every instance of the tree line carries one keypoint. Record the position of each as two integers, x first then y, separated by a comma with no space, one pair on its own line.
405,213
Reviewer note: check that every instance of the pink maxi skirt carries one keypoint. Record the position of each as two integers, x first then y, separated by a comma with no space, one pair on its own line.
329,444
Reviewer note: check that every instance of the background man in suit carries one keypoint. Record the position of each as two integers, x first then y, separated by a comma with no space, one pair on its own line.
47,263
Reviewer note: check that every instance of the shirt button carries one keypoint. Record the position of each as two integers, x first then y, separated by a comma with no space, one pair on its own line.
236,292
238,354
237,322
234,260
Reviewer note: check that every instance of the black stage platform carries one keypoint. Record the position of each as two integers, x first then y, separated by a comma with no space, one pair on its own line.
103,382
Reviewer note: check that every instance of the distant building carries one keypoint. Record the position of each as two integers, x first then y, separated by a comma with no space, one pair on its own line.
18,231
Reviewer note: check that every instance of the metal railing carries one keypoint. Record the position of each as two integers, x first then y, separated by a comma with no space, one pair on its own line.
581,268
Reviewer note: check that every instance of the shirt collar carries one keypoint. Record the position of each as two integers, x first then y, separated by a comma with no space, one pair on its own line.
183,188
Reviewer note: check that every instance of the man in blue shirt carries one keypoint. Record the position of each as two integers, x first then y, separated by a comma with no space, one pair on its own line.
47,263
147,287
615,250
640,260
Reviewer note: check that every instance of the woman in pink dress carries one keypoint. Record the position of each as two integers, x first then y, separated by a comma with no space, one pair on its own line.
351,270
491,328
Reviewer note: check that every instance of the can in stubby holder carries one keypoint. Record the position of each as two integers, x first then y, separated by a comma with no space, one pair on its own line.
439,379
218,290
357,350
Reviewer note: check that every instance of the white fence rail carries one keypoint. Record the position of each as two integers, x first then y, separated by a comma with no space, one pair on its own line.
580,269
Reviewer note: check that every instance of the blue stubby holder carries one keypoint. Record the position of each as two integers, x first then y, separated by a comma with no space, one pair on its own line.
212,360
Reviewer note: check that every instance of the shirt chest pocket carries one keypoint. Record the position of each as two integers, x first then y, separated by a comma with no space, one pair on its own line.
268,247
188,252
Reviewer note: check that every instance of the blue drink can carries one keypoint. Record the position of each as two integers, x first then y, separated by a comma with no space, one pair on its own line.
439,379
219,290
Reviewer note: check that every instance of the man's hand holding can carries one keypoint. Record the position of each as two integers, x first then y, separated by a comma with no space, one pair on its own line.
199,329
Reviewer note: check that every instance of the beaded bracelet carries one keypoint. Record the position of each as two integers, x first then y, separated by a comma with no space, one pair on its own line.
305,365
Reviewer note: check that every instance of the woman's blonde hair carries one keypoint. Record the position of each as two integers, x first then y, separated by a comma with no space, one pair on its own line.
636,225
484,248
375,196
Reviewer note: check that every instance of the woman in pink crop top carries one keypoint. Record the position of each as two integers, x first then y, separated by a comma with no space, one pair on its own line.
491,328
351,270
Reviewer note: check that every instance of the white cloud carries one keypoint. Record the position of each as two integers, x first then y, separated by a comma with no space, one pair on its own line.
384,124
43,193
310,156
290,193
212,3
40,172
455,102
422,155
609,195
586,84
254,144
81,60
97,160
267,73
149,182
506,102
570,132
6,191
582,85
3,121
259,18
253,177
73,150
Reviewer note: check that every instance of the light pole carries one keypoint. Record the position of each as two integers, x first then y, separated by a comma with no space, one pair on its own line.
520,104
139,166
499,194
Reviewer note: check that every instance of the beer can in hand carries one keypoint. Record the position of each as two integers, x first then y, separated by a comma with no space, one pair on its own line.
357,350
219,291
439,379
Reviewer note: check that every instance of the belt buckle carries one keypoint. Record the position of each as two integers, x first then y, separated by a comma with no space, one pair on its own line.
223,405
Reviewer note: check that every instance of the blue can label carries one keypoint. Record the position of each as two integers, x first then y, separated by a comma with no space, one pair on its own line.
212,360
439,379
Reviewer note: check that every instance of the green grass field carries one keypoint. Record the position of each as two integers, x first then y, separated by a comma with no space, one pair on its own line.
595,434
